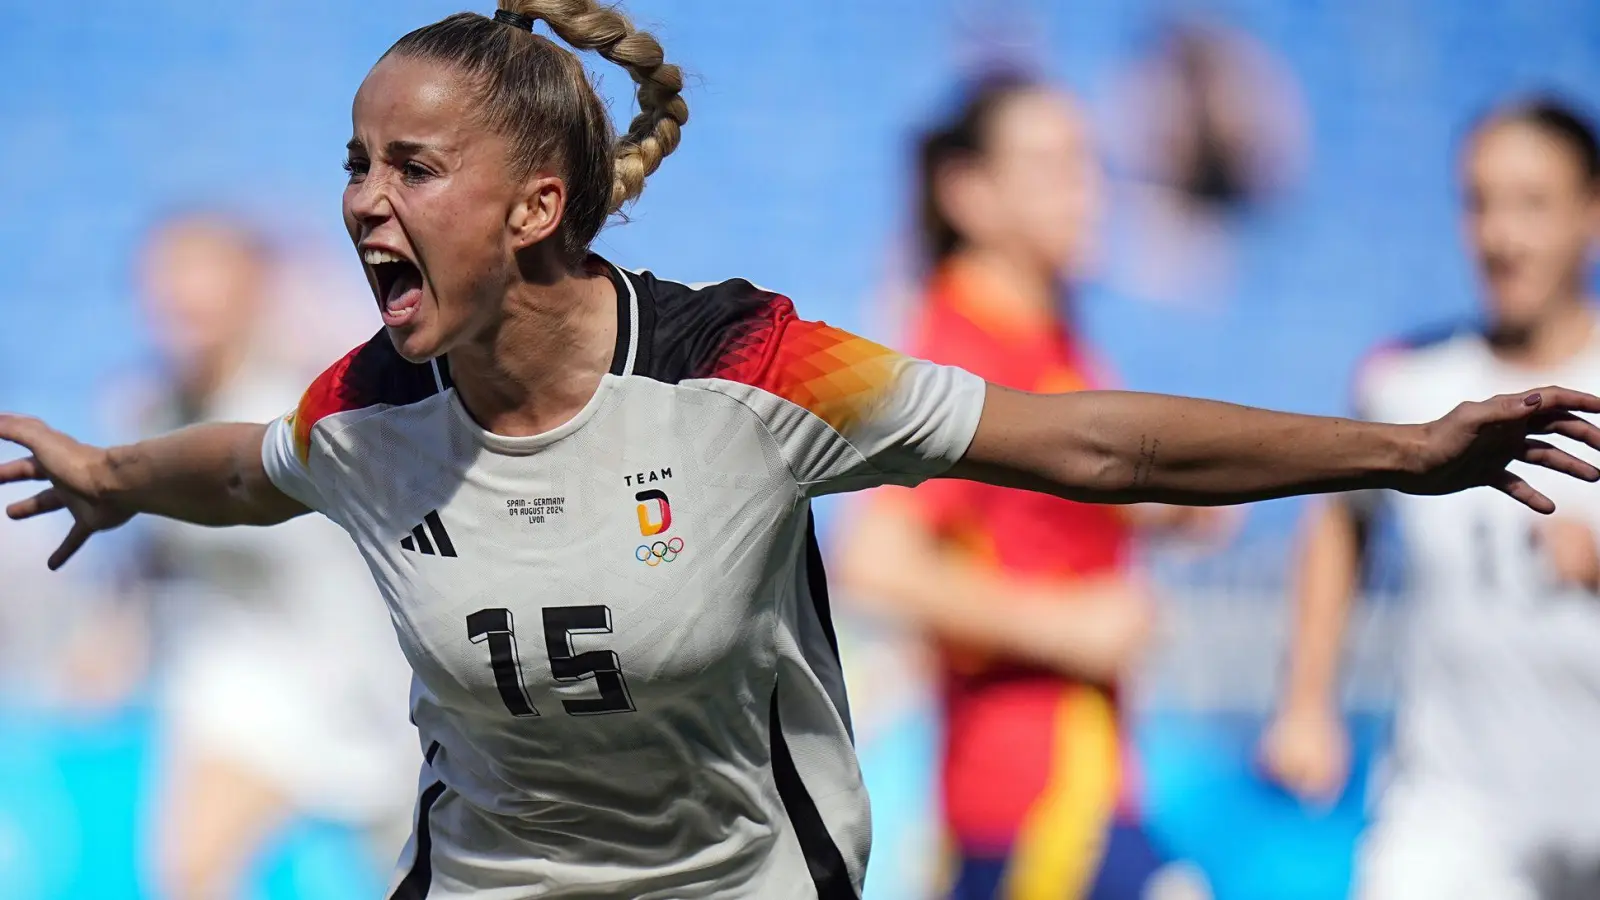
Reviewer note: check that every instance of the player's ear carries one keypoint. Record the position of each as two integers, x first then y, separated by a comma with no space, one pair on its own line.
538,212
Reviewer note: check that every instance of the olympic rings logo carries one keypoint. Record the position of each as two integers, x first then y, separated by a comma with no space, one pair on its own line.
659,552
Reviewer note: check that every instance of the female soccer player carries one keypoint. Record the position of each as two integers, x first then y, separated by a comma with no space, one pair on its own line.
585,492
1492,791
1028,596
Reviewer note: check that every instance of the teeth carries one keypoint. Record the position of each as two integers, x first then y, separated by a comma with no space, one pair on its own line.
374,257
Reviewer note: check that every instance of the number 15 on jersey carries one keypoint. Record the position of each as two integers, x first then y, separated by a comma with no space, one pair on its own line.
496,628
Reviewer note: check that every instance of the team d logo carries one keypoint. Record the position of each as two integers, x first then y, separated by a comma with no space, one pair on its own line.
655,513
655,517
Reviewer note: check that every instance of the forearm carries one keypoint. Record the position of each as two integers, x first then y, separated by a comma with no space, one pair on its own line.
204,474
1324,590
1125,447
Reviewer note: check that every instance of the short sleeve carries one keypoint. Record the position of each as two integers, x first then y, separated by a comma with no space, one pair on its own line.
847,413
372,375
287,464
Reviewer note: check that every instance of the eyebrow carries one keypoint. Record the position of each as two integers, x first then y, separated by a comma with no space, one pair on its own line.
393,148
404,148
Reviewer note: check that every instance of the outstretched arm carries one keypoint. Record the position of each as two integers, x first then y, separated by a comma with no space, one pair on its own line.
1125,447
206,474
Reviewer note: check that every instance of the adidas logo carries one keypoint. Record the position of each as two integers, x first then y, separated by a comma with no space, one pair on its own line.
429,538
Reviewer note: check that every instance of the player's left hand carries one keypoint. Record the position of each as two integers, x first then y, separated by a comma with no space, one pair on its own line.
1475,442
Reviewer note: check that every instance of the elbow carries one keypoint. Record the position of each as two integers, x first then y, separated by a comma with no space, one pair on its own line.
1083,459
1107,470
236,487
252,499
1091,471
1104,472
243,499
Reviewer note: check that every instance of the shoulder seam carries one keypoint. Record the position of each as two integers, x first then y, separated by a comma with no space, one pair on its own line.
349,420
699,384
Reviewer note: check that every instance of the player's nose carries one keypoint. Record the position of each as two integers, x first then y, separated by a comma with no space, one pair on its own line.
368,203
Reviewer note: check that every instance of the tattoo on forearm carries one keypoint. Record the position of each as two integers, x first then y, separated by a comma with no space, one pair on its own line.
1145,465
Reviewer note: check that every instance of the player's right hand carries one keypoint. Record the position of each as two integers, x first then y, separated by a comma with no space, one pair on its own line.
1307,750
78,476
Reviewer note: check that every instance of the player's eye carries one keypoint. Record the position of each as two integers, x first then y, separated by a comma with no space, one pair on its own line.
415,172
356,167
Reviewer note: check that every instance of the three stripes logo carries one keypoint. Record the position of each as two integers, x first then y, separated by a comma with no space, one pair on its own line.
429,538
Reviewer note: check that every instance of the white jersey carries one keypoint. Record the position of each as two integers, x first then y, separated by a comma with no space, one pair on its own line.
1501,669
626,678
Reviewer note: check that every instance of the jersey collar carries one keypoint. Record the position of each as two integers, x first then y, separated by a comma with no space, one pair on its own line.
625,359
634,318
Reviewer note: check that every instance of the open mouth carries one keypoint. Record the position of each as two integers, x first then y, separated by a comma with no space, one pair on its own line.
399,284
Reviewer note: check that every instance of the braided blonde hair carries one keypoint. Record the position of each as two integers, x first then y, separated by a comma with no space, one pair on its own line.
655,131
537,94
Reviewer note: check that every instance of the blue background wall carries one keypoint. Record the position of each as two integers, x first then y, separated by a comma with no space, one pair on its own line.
792,173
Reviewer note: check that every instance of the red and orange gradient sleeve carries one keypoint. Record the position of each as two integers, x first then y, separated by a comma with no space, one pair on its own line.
834,374
875,416
286,450
327,395
371,374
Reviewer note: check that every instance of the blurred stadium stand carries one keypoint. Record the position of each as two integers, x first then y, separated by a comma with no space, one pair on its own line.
792,174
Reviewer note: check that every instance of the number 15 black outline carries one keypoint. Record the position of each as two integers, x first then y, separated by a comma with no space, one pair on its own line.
496,627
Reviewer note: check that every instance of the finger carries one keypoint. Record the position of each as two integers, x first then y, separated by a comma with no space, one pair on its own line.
1559,398
73,542
25,469
46,501
1507,407
1523,493
24,430
1571,426
1541,454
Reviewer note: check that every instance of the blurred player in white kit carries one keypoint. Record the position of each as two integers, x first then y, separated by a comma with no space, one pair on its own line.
282,687
1492,789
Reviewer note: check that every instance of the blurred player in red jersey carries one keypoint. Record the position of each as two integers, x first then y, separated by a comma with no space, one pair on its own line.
1029,597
